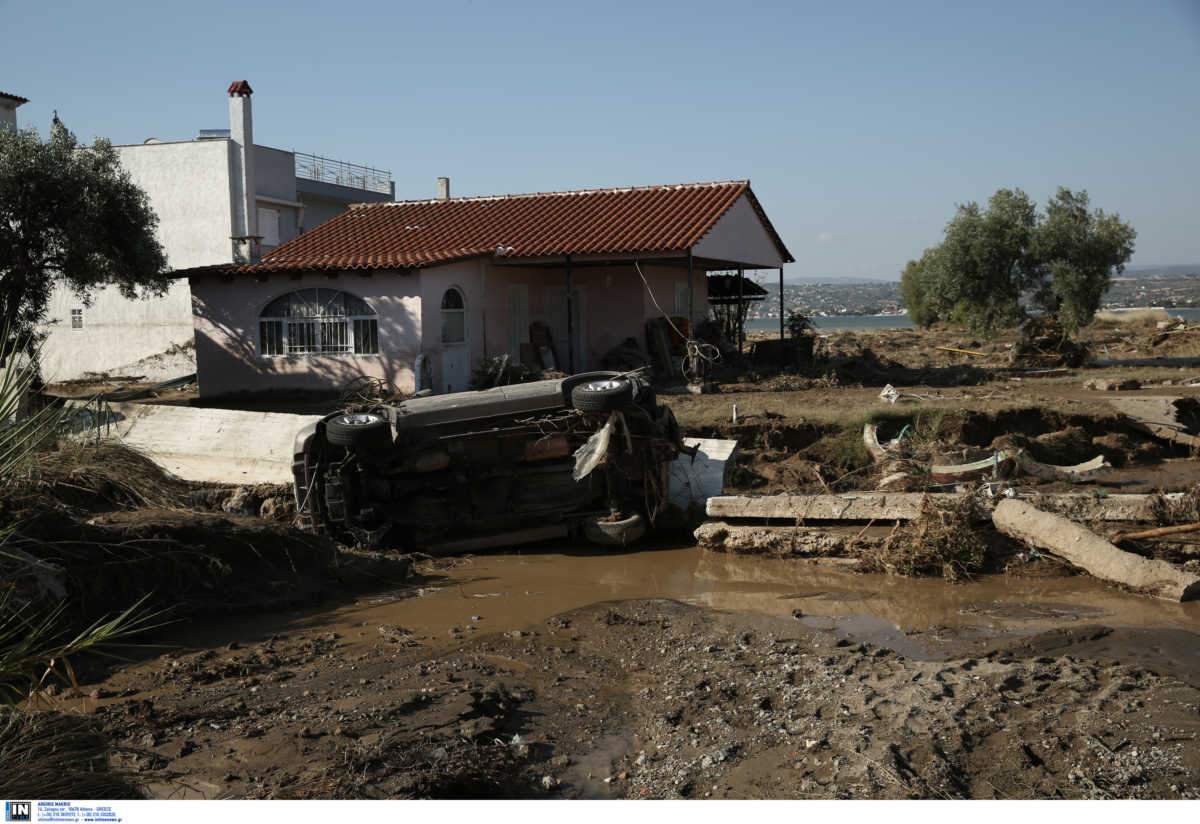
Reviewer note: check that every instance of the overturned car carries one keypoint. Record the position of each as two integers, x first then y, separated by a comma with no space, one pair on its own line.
585,455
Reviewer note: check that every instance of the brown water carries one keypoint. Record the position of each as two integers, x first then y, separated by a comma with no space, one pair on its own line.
916,617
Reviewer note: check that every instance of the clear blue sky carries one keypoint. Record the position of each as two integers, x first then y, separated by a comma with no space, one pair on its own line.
860,125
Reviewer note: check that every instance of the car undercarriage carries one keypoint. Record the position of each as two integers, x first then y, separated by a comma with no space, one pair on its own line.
585,455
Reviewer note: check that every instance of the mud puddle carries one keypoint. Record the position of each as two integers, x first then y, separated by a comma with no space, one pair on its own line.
919,618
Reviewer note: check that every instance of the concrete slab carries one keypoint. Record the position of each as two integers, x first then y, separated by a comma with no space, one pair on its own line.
904,506
214,445
692,482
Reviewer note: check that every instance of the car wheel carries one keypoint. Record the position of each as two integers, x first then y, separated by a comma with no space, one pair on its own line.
602,395
359,429
615,533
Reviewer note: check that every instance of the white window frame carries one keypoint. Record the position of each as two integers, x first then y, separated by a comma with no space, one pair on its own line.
329,331
76,318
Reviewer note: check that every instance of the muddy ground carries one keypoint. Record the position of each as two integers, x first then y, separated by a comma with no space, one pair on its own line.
464,683
654,699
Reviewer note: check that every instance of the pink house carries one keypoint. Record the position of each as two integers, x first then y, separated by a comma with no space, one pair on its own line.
456,280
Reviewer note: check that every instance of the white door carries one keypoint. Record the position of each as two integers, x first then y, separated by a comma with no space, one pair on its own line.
558,327
456,359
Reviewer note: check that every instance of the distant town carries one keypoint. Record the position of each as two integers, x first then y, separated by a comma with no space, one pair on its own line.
1171,290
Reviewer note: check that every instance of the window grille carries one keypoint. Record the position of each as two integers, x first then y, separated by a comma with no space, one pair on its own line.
318,322
76,318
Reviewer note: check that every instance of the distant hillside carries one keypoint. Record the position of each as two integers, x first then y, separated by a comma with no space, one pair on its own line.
836,281
1167,270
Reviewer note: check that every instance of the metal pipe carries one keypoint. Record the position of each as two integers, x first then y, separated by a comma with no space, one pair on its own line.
570,321
691,291
741,317
781,353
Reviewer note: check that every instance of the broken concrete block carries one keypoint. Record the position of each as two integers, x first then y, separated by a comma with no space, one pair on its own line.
1112,384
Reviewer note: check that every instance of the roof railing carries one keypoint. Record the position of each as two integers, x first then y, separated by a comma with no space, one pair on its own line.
338,172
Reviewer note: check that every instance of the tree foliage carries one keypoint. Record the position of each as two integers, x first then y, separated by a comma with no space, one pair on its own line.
69,214
994,263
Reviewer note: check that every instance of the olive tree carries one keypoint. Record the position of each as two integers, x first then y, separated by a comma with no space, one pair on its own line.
69,214
992,263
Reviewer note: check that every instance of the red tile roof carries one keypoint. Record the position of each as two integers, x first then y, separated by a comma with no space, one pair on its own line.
415,233
15,97
241,87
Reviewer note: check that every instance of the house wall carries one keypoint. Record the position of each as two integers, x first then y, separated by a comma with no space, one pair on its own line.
119,336
323,201
8,113
188,187
274,173
446,363
615,303
275,177
228,357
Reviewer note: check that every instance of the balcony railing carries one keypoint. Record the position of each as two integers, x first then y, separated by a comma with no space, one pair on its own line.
326,170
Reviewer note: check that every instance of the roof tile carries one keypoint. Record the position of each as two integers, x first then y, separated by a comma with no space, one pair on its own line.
415,233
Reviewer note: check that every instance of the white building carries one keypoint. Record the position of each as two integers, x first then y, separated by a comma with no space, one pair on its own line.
8,109
217,203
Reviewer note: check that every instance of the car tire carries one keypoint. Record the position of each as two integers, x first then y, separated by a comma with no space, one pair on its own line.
357,430
602,395
615,533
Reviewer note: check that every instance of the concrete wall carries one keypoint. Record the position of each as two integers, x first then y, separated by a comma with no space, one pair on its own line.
119,336
228,358
740,235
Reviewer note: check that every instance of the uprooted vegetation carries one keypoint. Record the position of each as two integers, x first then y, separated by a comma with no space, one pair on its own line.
942,541
808,457
118,527
58,755
89,531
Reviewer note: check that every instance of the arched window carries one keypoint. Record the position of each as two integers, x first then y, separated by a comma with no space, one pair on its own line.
318,322
454,317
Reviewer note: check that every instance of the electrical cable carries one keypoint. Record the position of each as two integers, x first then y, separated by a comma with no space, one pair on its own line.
696,353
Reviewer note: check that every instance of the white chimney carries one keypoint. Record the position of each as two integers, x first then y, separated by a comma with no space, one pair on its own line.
245,211
443,188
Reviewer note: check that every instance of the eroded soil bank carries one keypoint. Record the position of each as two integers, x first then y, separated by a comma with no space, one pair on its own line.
757,678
